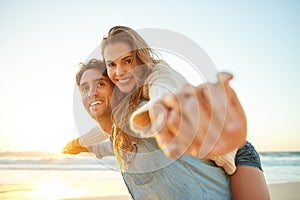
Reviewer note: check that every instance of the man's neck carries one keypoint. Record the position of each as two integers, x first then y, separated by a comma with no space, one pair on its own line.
106,125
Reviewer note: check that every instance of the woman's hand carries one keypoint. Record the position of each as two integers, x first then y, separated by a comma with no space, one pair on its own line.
202,121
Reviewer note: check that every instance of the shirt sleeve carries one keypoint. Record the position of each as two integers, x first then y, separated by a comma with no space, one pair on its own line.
102,149
94,136
163,80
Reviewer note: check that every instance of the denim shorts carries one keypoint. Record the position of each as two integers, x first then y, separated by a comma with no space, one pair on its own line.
248,156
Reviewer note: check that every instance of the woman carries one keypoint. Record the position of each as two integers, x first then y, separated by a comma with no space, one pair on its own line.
131,66
147,172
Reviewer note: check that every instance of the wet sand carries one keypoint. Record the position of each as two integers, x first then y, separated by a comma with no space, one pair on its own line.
116,190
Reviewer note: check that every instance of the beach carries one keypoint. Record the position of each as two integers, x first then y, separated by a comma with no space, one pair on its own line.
280,191
55,177
56,189
116,190
285,191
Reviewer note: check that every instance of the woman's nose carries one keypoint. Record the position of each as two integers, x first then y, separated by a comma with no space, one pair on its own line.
119,70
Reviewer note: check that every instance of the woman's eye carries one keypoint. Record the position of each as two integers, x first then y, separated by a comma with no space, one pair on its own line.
128,61
109,64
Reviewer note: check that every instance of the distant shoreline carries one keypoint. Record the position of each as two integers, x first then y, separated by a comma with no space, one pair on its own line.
35,154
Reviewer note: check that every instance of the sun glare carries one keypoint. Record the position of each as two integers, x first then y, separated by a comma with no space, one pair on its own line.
54,189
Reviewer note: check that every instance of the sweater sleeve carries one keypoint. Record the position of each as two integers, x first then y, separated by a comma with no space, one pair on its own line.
227,161
94,136
163,80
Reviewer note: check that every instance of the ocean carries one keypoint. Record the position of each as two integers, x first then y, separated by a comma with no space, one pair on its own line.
35,175
281,167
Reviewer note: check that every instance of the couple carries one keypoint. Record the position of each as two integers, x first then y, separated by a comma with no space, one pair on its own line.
125,87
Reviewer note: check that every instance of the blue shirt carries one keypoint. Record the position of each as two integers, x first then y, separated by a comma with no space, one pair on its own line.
151,175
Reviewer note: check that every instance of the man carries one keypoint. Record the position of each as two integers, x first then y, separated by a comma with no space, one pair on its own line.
96,92
151,175
217,130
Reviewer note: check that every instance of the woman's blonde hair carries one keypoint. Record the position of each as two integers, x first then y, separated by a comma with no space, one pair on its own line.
123,141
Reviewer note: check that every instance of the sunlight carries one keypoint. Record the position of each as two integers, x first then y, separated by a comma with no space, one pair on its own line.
54,189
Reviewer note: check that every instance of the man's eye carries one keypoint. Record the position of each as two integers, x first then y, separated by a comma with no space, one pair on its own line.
84,90
100,84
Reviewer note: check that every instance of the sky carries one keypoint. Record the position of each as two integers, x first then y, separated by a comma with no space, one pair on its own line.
42,42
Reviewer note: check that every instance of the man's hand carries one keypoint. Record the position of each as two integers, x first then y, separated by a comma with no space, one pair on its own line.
202,121
73,147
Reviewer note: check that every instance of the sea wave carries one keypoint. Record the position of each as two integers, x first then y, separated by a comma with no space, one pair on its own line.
280,159
281,154
58,163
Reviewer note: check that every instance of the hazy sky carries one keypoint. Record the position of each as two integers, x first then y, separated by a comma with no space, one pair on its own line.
41,43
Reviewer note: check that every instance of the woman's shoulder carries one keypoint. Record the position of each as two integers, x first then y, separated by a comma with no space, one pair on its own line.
162,66
163,73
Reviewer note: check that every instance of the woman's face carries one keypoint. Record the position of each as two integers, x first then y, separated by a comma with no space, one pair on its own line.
118,57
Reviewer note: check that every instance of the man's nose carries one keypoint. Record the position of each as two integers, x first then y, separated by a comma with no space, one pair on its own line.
92,93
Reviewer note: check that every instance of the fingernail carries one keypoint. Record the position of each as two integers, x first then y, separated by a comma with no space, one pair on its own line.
156,109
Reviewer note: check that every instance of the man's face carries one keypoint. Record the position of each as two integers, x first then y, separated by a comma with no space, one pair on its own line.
96,93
